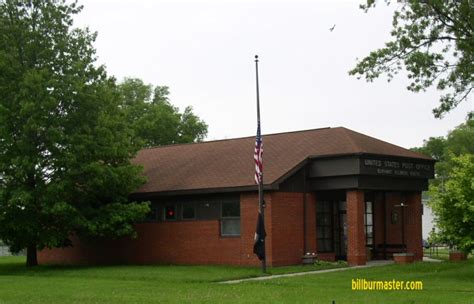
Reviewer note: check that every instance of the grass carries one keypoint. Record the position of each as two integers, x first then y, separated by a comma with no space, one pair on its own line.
442,283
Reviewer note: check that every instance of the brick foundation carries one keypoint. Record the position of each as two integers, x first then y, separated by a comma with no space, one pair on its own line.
457,256
330,257
403,258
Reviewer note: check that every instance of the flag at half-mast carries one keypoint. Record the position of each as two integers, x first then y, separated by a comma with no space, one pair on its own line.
258,156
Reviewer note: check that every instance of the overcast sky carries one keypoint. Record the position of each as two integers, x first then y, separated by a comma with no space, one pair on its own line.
204,52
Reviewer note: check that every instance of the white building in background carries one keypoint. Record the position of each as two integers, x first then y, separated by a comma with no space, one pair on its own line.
4,251
427,218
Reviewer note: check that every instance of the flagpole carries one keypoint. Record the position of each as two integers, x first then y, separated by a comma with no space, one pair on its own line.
261,207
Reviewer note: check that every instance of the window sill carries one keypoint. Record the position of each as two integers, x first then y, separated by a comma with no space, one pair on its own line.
229,236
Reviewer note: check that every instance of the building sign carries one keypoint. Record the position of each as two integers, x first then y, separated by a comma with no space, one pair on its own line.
394,167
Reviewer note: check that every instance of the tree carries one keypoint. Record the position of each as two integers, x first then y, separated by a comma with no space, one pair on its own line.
154,119
452,191
433,41
434,147
453,204
458,142
461,140
65,147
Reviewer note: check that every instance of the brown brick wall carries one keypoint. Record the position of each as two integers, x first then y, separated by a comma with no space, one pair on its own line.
394,235
356,251
412,213
413,225
171,242
287,228
199,242
248,224
182,242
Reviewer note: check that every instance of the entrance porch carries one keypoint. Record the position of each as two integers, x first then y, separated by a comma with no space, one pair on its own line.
358,225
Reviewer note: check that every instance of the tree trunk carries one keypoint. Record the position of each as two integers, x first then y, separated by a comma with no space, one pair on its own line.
31,257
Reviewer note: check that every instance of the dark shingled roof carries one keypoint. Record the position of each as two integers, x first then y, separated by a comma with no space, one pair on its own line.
229,163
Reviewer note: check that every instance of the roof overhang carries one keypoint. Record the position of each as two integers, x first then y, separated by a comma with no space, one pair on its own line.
336,171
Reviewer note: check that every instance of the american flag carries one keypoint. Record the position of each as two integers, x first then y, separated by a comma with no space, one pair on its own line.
258,156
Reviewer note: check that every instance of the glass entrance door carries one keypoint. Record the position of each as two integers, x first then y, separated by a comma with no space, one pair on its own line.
331,228
340,230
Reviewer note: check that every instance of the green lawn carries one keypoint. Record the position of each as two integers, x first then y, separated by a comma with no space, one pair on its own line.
442,283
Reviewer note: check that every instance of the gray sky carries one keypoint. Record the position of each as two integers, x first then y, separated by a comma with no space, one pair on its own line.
204,52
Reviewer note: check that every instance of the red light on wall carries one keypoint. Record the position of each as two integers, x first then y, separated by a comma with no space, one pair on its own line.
170,212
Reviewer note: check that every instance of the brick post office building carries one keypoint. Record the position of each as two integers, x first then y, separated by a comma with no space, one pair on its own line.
332,191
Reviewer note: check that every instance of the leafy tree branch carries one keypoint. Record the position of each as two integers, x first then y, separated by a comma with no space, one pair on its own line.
433,41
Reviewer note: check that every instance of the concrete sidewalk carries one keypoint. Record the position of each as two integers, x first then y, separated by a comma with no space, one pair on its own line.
369,264
428,259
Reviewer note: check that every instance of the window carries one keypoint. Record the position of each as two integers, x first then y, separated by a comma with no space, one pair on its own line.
324,226
231,209
208,210
369,223
230,219
188,212
170,212
153,214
